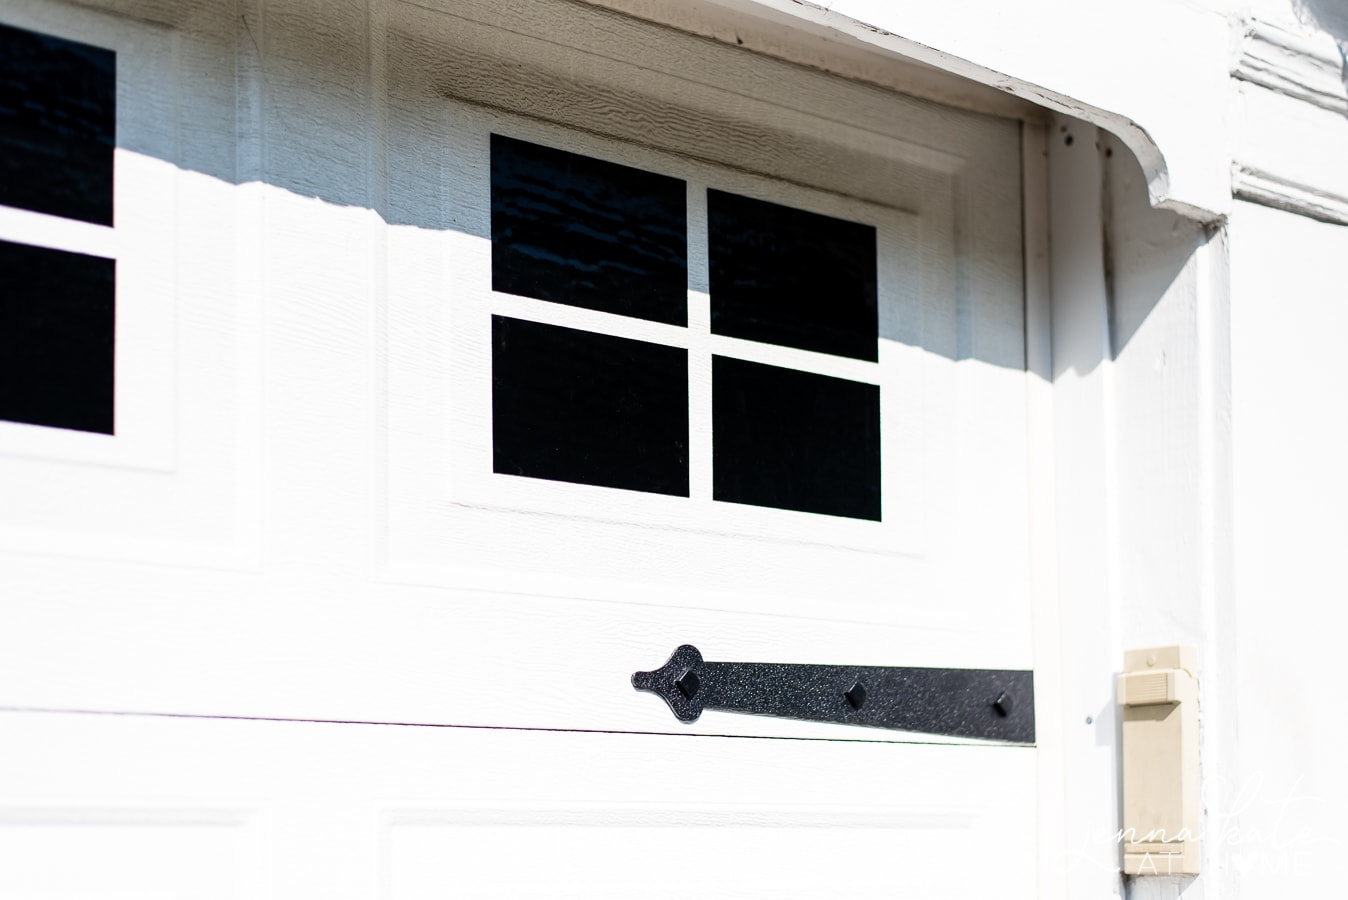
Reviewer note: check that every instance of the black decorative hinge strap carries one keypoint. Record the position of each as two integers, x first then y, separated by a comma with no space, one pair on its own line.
993,704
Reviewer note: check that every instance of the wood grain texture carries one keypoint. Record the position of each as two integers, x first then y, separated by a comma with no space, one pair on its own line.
309,528
816,43
329,287
174,465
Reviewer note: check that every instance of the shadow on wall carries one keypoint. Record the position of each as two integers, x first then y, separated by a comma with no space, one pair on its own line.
284,105
1149,252
316,113
1331,16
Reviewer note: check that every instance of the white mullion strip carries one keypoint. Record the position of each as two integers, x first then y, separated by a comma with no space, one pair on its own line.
567,316
793,358
700,439
22,226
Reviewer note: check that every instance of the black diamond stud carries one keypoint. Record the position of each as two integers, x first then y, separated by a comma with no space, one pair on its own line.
1003,704
688,683
856,696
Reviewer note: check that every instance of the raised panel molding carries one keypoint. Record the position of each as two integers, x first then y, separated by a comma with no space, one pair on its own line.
703,849
75,851
1292,109
1268,189
1291,64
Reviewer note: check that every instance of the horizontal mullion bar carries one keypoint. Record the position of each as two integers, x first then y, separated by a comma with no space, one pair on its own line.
22,226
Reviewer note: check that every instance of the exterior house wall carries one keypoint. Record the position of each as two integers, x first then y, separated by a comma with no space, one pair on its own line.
1289,138
1285,312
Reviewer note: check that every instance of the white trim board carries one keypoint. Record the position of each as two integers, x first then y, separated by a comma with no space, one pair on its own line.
1268,189
1293,65
861,42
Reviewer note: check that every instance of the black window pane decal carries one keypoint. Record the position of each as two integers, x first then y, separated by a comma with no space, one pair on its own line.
57,125
790,277
575,406
795,440
581,231
56,338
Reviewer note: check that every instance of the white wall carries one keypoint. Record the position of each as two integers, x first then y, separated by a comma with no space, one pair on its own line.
1288,318
1289,137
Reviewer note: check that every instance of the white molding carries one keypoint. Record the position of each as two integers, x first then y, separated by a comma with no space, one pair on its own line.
818,39
1086,491
1293,65
818,36
22,226
1267,189
1051,831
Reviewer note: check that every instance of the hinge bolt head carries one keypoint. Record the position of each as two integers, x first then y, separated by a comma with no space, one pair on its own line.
856,696
688,683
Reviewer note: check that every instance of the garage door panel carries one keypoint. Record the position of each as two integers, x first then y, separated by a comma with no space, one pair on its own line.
207,808
409,653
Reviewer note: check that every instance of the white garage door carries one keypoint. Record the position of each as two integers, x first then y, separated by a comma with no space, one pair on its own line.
467,362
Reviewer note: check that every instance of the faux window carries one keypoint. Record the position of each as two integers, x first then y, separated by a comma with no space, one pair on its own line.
569,405
57,308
